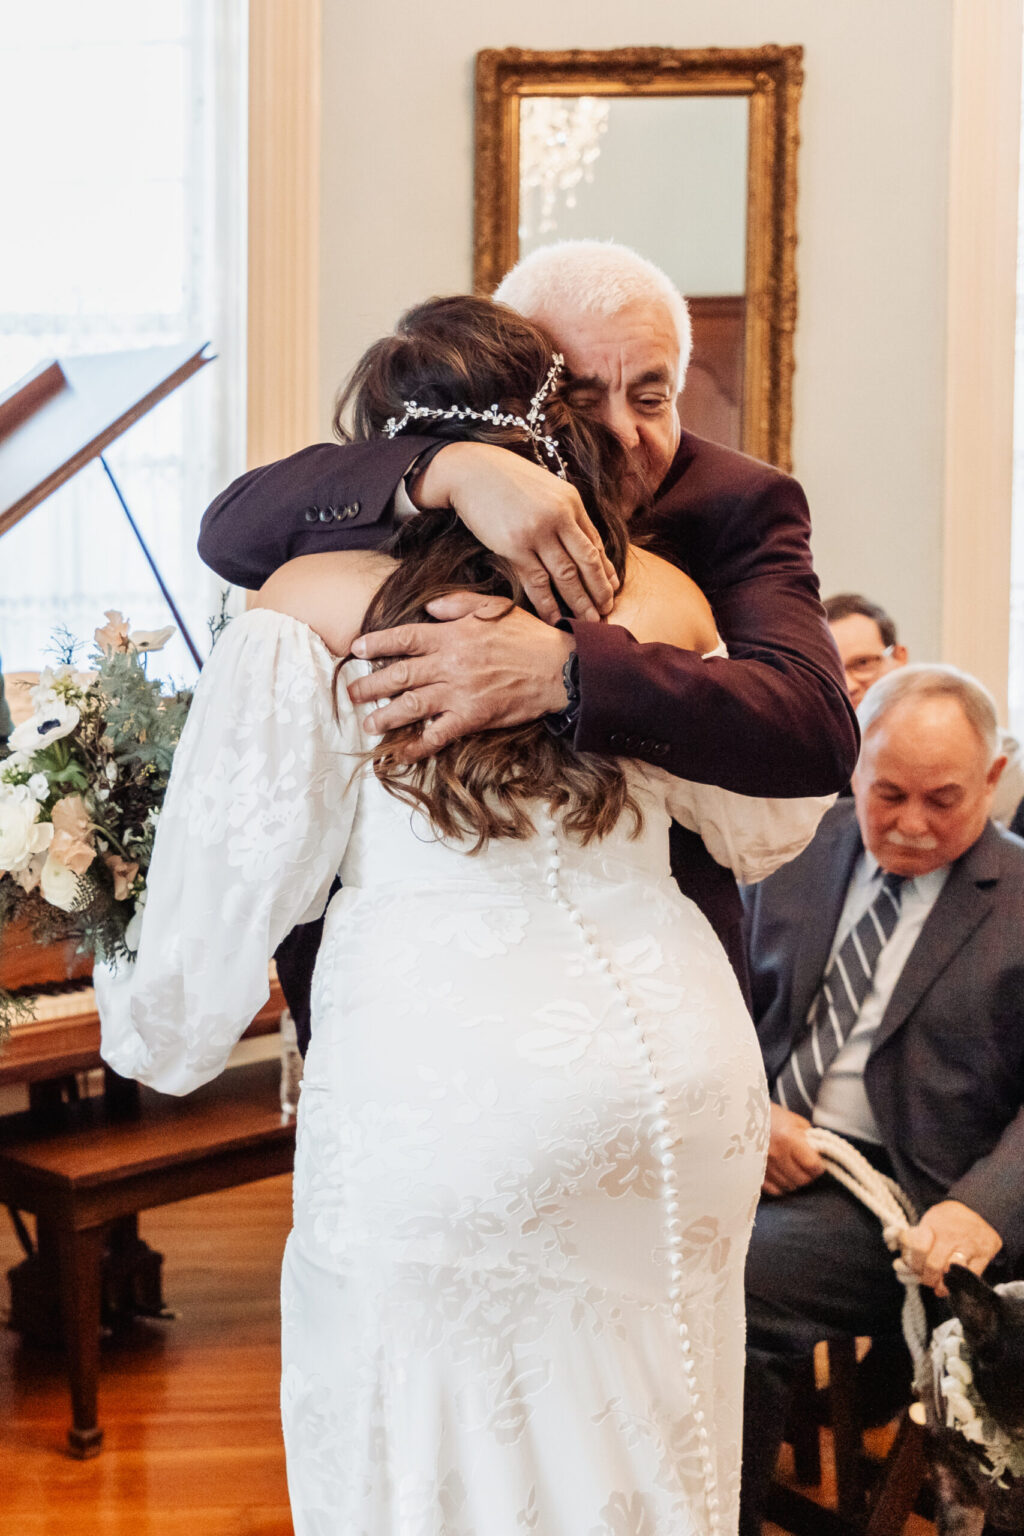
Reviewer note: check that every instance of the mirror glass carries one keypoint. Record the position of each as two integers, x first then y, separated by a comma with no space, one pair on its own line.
688,156
586,171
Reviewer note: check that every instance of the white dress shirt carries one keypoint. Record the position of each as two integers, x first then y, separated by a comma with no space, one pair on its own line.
842,1104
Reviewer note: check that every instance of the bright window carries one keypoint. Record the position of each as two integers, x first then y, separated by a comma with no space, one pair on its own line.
1016,675
124,196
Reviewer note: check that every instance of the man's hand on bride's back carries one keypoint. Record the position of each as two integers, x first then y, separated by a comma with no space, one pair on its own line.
473,672
523,512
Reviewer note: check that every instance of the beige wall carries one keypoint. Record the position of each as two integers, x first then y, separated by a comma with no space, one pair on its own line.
874,163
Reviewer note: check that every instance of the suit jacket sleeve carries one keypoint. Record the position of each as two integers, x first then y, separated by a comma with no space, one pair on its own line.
994,1188
329,496
773,719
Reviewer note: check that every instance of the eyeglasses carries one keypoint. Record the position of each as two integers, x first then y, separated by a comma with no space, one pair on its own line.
863,667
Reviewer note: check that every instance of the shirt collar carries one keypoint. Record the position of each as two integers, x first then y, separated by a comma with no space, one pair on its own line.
927,887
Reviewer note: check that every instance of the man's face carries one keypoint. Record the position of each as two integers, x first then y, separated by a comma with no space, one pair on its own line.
625,368
923,786
863,653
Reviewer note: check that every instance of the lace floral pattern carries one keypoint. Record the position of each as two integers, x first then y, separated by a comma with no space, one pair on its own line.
512,1299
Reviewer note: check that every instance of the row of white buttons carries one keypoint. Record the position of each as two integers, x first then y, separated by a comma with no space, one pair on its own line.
662,1143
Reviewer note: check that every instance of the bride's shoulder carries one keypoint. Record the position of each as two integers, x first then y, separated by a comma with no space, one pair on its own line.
657,601
330,592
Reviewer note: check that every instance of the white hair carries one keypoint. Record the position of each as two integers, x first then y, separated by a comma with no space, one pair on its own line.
593,277
937,680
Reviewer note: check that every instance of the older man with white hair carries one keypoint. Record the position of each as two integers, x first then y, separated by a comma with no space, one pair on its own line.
888,982
773,719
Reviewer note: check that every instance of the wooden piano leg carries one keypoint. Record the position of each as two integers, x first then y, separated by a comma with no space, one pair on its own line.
120,1095
131,1274
79,1255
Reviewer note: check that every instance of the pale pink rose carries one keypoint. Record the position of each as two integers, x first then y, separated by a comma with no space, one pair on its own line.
114,634
123,871
70,815
72,852
72,834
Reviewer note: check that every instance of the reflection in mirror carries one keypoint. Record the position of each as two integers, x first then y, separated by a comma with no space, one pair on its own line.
687,157
578,179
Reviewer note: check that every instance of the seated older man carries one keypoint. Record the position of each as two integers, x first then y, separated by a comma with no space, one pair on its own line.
888,981
869,647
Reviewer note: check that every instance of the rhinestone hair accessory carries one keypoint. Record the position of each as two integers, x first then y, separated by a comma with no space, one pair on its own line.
531,425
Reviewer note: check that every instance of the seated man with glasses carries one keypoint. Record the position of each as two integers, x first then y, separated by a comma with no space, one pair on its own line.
865,637
868,647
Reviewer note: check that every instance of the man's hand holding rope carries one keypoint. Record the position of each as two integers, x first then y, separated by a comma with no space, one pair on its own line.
948,1233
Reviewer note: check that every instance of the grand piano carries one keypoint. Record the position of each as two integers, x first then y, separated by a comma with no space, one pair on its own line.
91,1150
59,418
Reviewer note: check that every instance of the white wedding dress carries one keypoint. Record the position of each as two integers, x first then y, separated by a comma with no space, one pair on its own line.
531,1132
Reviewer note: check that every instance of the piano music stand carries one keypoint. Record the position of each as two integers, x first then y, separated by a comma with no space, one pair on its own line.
63,414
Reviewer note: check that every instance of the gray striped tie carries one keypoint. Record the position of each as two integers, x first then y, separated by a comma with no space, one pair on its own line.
835,1009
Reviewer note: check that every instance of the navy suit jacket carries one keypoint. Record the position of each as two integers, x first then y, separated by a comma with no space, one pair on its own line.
945,1075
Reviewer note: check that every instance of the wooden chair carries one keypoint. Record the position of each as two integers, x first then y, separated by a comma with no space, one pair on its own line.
873,1498
98,1167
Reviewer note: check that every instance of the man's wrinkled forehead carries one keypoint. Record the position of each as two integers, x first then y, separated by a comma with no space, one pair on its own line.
642,378
642,335
922,742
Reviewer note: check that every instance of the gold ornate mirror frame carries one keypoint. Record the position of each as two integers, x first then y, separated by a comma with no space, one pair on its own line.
771,77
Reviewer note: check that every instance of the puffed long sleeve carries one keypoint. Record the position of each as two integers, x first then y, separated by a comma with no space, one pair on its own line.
253,829
750,834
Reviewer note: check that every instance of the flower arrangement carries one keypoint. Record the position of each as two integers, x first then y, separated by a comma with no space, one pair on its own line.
965,1412
80,793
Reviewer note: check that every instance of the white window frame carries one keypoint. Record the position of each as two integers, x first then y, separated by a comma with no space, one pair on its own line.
981,314
284,227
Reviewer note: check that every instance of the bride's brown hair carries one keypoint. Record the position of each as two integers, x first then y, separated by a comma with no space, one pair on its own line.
471,352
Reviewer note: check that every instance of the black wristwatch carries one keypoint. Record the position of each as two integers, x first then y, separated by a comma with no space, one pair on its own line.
564,722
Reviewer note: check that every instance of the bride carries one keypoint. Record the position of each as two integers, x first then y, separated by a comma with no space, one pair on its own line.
533,1122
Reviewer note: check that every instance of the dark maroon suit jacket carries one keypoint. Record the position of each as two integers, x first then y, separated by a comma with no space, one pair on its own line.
774,719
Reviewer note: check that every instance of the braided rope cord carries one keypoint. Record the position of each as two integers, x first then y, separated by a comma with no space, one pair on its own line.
894,1209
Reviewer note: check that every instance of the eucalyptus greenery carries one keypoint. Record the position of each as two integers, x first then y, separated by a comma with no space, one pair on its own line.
81,788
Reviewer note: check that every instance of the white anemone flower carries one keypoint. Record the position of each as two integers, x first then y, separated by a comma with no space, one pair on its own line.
49,724
151,639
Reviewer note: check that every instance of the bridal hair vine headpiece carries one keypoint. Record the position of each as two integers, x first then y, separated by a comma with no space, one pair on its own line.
531,425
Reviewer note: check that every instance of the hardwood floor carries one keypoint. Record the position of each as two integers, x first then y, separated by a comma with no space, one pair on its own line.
190,1408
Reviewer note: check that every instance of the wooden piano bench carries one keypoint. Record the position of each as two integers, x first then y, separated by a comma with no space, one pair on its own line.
97,1168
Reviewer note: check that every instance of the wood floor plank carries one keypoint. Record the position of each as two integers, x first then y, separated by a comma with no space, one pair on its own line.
189,1408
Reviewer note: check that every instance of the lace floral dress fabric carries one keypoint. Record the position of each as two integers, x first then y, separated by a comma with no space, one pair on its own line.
531,1131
